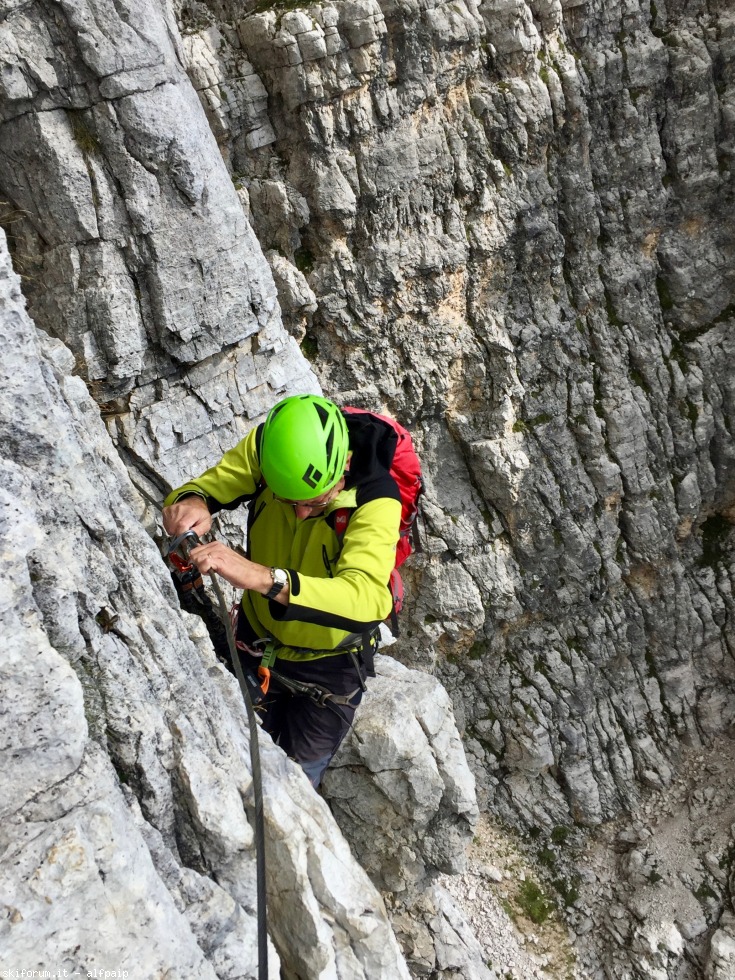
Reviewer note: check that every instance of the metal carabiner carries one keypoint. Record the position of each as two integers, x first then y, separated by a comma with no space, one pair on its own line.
185,542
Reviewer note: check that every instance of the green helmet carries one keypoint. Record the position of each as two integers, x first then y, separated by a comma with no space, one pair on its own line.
303,447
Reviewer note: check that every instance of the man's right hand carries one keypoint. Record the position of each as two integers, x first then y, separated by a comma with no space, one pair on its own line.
190,514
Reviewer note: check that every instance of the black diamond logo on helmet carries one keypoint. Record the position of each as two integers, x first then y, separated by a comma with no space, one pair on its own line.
312,476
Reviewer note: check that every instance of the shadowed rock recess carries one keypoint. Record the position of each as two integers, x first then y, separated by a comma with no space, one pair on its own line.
510,224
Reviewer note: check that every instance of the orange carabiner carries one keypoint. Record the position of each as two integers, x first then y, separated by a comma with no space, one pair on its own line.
265,676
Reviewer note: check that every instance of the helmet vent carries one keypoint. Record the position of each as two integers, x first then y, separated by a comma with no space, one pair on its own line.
323,415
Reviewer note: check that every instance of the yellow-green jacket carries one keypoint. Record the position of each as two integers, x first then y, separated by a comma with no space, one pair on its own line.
338,586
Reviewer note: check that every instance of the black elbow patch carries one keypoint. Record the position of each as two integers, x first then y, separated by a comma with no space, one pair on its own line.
318,617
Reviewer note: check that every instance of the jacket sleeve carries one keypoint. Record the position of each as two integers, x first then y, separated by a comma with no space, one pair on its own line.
357,597
233,480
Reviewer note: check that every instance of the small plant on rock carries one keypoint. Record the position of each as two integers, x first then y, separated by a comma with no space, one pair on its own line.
533,903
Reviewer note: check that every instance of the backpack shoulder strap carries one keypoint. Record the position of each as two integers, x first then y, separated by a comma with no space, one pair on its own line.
341,520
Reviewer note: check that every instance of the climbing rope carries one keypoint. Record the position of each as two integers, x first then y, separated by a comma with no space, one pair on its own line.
257,786
184,543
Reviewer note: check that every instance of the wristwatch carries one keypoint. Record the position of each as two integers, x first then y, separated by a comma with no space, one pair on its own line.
280,578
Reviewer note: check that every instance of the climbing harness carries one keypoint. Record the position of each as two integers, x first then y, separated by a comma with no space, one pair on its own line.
319,695
315,692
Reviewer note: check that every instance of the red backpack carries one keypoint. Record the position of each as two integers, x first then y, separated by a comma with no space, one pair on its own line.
406,471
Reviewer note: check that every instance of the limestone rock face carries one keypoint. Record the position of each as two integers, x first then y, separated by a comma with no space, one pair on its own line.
131,236
136,250
127,834
721,961
515,219
404,797
400,787
507,222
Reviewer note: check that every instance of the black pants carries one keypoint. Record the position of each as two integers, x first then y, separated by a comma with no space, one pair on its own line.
308,732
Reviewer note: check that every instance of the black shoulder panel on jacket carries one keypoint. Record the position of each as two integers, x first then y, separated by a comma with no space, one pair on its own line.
382,485
373,443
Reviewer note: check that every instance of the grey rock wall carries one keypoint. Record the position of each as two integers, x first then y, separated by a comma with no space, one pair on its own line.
509,223
130,235
400,787
404,797
127,836
134,248
515,219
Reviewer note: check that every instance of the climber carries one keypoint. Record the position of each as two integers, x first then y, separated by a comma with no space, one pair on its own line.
314,595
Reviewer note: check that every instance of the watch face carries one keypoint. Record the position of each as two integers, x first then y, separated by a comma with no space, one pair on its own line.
280,579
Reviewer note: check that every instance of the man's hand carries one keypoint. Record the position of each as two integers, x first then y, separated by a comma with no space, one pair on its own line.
190,514
238,571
